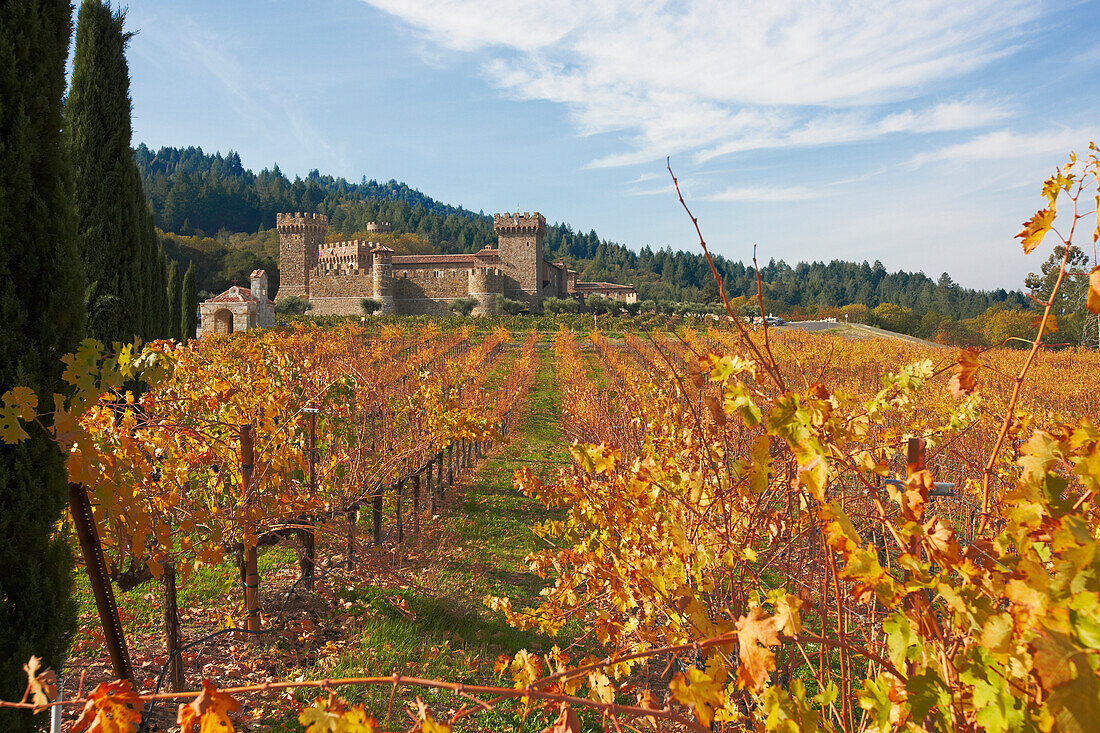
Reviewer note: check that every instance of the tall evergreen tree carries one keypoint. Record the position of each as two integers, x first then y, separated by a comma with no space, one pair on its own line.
41,292
166,328
189,305
110,206
174,295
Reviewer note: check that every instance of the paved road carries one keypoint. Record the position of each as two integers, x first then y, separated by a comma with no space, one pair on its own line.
814,325
870,330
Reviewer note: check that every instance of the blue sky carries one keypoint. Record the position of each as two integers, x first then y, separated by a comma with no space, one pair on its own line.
916,133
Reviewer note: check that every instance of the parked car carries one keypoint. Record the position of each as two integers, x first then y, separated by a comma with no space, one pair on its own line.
775,321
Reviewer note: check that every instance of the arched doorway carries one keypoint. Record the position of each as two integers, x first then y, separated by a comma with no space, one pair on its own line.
223,321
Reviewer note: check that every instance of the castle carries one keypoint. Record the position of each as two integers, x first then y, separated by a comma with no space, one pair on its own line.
336,276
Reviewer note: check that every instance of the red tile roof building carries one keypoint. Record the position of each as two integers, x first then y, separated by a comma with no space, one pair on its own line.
238,309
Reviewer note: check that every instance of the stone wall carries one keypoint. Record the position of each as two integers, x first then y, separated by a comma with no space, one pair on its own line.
429,290
345,285
347,306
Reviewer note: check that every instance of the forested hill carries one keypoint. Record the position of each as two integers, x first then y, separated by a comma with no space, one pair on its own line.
223,214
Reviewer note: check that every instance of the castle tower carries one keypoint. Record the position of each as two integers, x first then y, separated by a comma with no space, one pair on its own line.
383,278
485,282
300,238
520,244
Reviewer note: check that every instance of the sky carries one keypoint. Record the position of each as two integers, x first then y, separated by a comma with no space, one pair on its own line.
914,133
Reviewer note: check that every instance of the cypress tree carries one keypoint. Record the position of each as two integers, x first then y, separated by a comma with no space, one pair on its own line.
41,308
189,304
110,205
175,293
167,328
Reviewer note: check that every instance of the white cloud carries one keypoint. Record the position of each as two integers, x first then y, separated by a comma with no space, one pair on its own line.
1005,144
761,194
714,77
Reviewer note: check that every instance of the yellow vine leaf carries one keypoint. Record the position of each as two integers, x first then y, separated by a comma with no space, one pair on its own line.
427,723
699,691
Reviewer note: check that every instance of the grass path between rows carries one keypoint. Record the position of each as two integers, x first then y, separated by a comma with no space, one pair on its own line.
433,621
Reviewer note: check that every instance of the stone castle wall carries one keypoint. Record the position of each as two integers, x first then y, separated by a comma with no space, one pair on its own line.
429,290
335,276
415,290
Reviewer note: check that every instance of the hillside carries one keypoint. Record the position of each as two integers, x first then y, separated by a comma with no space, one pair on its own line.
216,213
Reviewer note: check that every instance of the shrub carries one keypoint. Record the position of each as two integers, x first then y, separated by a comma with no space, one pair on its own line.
509,306
293,305
463,306
370,306
561,305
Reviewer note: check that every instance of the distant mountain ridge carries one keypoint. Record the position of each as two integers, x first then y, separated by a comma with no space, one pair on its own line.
195,193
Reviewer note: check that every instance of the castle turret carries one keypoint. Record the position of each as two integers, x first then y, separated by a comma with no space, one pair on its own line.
300,238
520,243
383,278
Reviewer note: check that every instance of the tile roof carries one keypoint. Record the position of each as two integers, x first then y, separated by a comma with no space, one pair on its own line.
602,286
414,260
236,294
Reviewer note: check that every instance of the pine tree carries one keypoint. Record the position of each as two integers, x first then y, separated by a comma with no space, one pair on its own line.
175,293
110,206
189,304
41,296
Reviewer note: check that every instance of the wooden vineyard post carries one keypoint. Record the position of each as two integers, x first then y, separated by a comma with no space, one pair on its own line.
172,631
351,515
914,459
400,519
376,501
416,503
440,489
92,551
309,534
250,569
431,489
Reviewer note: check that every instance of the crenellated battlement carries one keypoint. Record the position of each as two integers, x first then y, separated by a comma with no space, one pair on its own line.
525,223
301,221
378,227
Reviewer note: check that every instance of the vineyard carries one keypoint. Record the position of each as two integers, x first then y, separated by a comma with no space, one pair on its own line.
411,529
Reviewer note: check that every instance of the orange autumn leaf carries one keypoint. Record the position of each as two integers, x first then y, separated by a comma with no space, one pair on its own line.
113,707
567,721
1051,324
1035,228
965,379
756,633
41,685
1093,302
210,710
